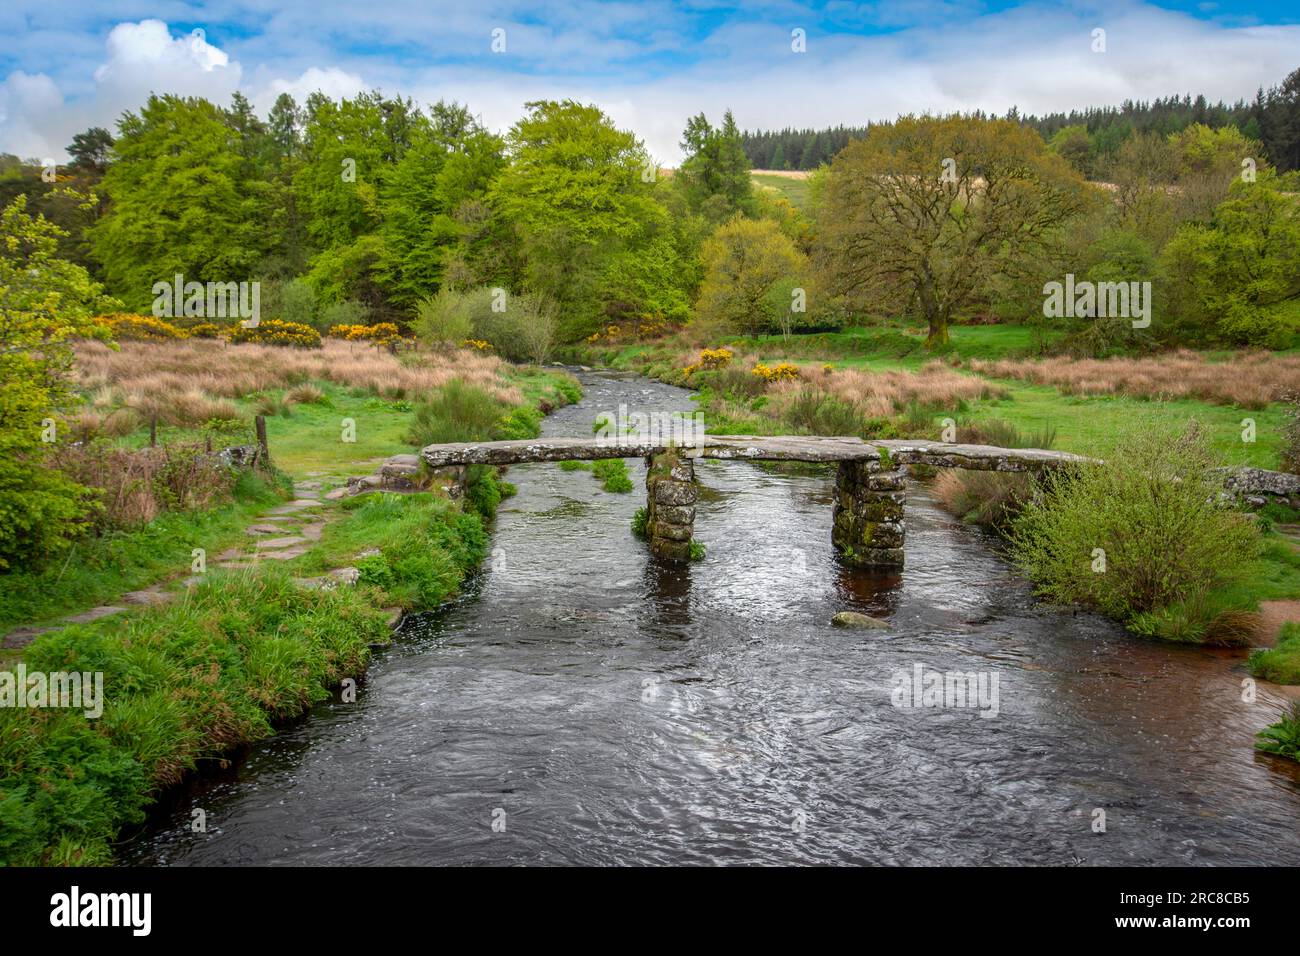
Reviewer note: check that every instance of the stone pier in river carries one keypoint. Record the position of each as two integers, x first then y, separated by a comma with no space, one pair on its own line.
867,527
870,485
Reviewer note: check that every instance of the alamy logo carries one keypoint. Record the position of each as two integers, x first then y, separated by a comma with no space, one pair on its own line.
946,689
82,691
1098,300
74,909
208,300
676,429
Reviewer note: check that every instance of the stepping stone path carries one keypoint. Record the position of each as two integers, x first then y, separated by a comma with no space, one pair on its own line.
279,534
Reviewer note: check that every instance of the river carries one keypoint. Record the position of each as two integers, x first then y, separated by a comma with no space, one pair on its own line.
580,704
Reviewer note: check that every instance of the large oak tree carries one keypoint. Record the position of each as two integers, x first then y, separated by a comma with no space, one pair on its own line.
935,206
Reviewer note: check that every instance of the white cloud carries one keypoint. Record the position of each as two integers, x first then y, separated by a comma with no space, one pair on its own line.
145,58
333,82
24,100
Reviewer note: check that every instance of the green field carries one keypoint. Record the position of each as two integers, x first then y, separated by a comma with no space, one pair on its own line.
797,191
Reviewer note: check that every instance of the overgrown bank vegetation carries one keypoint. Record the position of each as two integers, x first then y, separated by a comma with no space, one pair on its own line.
242,651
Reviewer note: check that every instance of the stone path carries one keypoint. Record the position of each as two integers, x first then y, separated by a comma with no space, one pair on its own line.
281,533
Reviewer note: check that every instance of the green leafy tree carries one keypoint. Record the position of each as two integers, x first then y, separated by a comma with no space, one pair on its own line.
350,149
90,150
935,206
744,260
1074,145
181,202
44,303
1209,162
429,199
715,173
1236,280
580,195
447,319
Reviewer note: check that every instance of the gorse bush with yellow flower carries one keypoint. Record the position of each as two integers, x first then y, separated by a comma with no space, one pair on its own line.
142,328
711,359
276,332
780,372
381,333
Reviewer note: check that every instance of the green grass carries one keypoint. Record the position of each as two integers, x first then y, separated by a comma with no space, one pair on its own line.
798,191
545,388
312,437
427,544
894,345
1281,663
218,668
180,683
459,412
612,474
1282,738
1089,425
97,570
1094,425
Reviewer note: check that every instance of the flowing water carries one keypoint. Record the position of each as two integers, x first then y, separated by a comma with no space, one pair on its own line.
601,709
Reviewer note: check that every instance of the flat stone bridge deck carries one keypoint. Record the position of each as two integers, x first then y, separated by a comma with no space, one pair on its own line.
868,513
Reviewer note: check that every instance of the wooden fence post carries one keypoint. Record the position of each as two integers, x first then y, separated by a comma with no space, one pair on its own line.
263,453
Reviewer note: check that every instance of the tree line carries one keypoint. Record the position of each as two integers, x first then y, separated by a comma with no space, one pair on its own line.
1272,118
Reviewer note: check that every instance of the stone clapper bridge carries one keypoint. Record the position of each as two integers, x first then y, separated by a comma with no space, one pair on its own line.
868,525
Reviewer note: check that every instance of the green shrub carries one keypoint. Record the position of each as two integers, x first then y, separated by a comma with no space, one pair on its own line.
347,312
41,511
1217,618
460,412
640,521
1282,738
275,332
569,390
447,319
457,412
520,422
483,490
613,475
1153,513
814,412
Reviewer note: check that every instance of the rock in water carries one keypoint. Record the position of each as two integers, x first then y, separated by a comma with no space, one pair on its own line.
854,619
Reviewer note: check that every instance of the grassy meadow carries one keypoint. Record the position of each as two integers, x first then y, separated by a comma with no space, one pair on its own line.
995,372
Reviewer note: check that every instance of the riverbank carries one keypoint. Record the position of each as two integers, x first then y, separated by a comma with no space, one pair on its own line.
243,645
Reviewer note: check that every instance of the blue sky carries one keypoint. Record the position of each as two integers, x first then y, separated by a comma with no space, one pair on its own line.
65,66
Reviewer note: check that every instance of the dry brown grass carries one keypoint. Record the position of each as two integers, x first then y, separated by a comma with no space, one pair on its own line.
1247,379
185,382
885,393
134,486
988,498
